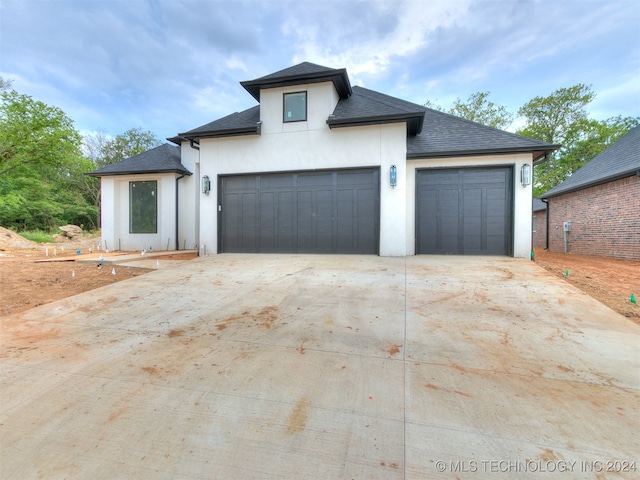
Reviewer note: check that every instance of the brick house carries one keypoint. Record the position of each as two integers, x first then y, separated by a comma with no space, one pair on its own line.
601,201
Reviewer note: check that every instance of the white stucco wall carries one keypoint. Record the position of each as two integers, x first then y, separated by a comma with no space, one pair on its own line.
522,196
304,146
115,214
188,201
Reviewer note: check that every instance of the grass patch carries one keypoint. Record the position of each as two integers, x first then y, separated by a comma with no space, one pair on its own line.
38,236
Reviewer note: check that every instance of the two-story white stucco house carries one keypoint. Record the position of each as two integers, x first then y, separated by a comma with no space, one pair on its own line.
319,166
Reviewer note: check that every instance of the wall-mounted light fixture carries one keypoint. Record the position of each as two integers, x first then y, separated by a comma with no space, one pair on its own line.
525,175
392,176
206,185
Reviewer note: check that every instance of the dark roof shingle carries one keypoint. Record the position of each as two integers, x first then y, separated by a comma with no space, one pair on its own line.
366,107
162,159
448,135
621,159
299,74
430,133
239,123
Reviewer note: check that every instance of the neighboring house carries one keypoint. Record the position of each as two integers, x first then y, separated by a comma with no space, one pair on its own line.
601,201
320,166
539,223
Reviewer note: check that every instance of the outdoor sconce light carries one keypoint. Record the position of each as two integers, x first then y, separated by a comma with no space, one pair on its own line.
206,185
392,176
525,175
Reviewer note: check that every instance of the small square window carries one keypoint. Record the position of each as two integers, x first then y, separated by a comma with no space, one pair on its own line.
295,107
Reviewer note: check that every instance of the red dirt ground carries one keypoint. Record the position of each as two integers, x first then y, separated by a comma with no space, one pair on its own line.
609,280
29,278
26,282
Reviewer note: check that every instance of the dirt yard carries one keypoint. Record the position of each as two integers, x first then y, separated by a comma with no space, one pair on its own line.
608,280
28,278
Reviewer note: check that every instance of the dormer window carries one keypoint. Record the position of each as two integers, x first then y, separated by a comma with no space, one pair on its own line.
295,107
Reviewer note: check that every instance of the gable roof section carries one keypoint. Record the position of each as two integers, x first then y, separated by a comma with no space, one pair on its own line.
620,160
368,107
302,73
246,122
162,159
445,135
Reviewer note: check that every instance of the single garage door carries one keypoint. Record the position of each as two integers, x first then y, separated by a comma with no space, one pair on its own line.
304,212
464,211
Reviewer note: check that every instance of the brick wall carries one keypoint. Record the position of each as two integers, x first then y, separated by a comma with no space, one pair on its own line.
605,220
540,233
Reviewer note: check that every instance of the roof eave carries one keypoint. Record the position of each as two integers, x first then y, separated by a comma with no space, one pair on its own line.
414,122
594,183
229,132
535,151
338,77
139,172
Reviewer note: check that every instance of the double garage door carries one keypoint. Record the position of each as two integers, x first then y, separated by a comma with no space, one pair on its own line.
302,212
464,211
461,211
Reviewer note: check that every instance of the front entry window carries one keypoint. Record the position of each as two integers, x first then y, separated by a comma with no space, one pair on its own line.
143,207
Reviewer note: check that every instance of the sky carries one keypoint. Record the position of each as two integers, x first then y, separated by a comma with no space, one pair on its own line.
168,66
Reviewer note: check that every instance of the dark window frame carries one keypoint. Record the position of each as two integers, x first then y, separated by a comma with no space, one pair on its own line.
284,107
136,224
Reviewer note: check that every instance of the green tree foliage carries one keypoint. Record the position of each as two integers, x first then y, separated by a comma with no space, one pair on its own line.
106,151
34,134
478,108
562,118
39,157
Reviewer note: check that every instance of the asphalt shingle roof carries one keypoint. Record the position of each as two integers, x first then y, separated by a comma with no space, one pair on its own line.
366,106
448,135
304,68
162,159
236,123
621,159
430,133
299,74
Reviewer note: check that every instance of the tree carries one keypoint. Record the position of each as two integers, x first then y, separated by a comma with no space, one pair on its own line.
33,133
127,144
562,118
559,117
478,108
39,159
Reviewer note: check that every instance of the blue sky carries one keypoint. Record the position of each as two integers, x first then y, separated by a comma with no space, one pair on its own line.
171,65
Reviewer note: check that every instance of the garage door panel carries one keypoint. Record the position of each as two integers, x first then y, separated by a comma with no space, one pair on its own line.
464,211
307,212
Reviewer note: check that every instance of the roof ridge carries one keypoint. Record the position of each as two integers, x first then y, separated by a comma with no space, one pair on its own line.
358,88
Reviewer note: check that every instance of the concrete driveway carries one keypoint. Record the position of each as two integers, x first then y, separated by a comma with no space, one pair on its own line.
328,367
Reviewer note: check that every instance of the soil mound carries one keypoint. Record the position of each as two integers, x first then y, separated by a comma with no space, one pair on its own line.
11,241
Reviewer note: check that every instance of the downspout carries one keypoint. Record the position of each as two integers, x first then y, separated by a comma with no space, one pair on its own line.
177,238
546,201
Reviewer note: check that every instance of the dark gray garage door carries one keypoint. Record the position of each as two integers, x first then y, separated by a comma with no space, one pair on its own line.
465,211
305,212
